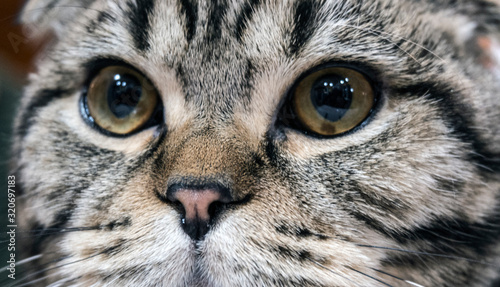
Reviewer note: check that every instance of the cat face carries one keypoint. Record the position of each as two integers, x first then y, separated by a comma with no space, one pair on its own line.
263,143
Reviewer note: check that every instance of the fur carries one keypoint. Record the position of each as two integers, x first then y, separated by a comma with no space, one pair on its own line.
410,197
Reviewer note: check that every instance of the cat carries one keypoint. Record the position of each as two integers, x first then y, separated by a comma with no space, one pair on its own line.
261,143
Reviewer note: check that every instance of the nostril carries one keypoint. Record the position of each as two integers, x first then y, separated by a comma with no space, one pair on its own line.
199,205
196,203
216,208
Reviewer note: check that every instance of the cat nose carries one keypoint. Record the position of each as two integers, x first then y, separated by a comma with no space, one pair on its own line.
200,206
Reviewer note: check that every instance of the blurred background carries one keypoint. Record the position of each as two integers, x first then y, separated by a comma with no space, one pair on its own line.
17,52
18,49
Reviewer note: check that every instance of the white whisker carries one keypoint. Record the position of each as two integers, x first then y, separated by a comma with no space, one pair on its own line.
326,268
36,280
24,261
413,283
393,35
396,277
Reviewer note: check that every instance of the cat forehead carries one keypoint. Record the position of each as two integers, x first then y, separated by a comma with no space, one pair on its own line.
208,29
208,33
216,50
232,38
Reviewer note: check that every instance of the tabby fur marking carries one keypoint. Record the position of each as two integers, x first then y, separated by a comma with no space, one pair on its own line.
410,197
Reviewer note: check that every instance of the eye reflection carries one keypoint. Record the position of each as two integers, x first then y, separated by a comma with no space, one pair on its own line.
120,100
332,101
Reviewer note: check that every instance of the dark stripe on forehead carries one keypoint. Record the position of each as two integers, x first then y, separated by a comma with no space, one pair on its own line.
244,17
457,116
190,10
216,15
99,21
42,99
140,22
304,24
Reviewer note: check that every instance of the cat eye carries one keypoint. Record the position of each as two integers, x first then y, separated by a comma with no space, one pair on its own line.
120,101
330,101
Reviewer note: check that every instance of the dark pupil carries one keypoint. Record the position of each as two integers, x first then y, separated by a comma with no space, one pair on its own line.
331,96
124,94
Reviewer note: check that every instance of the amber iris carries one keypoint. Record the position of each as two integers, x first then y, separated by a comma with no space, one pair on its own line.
121,100
332,101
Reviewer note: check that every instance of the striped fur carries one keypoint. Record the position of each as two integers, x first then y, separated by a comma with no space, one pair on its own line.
411,196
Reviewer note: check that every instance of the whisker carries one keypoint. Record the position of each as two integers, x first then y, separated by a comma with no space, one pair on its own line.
416,252
65,264
394,35
401,279
328,269
40,232
37,280
63,281
429,254
56,267
24,261
369,276
378,33
55,260
62,229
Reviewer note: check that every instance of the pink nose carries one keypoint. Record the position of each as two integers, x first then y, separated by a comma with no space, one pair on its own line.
197,202
200,205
